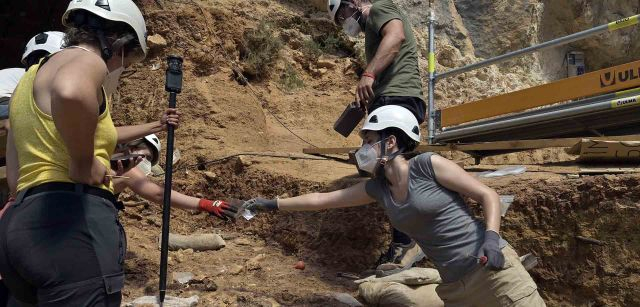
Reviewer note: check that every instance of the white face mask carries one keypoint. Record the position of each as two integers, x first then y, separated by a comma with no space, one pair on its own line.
367,158
112,80
145,166
351,27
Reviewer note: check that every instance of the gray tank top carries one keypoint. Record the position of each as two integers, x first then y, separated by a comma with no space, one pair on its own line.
438,219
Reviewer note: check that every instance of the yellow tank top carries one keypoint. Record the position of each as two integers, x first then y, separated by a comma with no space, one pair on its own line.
42,154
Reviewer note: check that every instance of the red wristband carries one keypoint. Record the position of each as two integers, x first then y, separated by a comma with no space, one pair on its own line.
368,74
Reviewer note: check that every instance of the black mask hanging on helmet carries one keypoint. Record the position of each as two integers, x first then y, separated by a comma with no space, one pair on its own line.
95,24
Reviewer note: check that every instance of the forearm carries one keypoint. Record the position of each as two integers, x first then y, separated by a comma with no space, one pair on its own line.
131,133
185,202
385,55
178,200
315,202
491,207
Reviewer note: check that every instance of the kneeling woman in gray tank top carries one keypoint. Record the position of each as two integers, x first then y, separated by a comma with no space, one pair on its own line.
423,198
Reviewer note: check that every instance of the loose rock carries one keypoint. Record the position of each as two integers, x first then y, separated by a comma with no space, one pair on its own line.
156,41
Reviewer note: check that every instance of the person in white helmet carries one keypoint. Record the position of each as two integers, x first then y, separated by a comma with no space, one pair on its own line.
41,45
391,77
137,181
9,79
38,46
62,243
423,198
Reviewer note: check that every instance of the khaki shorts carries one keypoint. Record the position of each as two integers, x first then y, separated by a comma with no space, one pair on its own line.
512,286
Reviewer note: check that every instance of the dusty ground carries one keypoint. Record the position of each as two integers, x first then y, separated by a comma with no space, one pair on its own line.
548,212
222,117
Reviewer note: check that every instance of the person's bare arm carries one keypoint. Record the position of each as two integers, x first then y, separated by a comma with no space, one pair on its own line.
141,185
350,197
456,179
129,133
74,108
392,38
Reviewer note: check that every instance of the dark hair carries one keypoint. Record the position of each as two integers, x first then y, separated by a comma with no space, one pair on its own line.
405,143
85,34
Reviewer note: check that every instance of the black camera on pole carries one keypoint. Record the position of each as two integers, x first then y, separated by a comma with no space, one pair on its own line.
173,82
173,85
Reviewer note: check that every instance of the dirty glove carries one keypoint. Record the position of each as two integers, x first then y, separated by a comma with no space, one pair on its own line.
491,250
261,205
218,208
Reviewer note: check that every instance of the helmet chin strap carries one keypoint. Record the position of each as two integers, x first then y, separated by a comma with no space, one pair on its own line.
384,158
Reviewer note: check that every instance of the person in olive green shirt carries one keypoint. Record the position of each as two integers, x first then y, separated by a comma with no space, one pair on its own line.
392,74
392,77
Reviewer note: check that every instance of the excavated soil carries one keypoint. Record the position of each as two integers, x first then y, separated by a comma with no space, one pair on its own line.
548,213
221,116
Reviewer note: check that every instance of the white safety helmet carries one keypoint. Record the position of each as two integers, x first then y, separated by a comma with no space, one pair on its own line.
124,11
50,41
154,145
333,6
393,116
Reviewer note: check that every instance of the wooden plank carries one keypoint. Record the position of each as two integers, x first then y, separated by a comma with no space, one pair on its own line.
329,151
595,83
569,169
608,170
346,150
486,146
534,144
603,151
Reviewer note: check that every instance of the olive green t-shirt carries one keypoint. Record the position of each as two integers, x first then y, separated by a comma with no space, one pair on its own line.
402,77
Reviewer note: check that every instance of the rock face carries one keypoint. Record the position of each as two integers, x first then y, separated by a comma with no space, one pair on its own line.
605,50
468,31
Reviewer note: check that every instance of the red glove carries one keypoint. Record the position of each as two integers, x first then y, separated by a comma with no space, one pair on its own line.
219,208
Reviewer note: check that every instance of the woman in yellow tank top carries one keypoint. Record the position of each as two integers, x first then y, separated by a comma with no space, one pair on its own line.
61,243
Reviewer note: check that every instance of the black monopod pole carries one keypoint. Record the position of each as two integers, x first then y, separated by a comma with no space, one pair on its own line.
173,85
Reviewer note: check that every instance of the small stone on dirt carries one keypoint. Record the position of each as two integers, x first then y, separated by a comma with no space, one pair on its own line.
273,302
169,301
210,175
242,241
325,63
182,277
179,257
156,41
254,263
235,269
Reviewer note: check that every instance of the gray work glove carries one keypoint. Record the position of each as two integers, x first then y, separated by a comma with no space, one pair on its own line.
261,205
490,253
